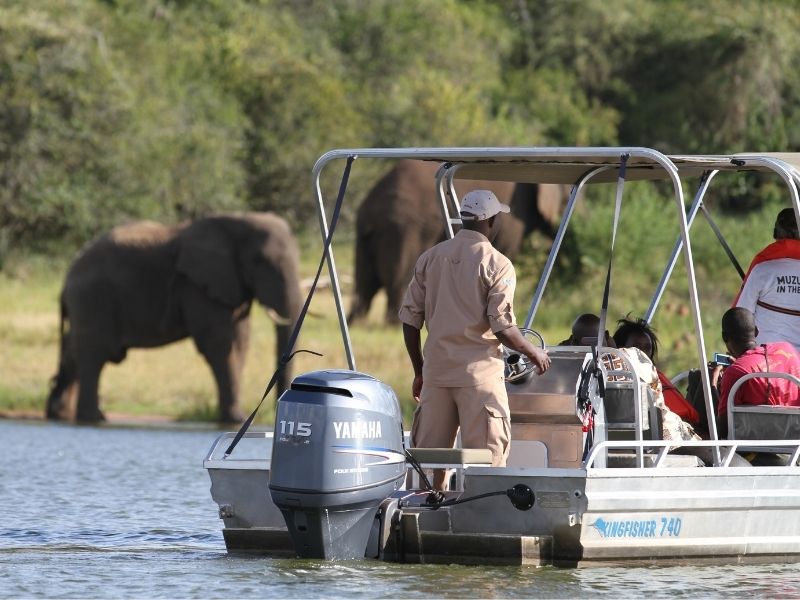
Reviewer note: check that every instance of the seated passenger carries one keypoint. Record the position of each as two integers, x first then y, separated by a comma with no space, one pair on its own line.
584,331
672,426
739,333
637,333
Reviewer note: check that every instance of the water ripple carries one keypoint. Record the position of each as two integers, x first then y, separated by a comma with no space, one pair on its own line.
101,539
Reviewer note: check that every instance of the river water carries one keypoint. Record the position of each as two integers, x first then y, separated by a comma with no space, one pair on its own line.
121,513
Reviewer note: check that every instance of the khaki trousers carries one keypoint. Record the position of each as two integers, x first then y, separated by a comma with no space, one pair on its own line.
480,410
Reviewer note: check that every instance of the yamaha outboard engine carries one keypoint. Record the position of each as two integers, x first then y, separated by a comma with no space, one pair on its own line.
337,454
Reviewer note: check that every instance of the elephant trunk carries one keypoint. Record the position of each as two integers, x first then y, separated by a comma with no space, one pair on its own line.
289,309
285,373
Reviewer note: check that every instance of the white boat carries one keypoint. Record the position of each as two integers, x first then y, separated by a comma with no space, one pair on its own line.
626,495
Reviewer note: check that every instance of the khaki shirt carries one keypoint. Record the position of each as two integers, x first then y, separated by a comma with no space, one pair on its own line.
463,289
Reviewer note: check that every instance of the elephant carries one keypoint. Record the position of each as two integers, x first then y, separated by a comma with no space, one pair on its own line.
144,285
400,218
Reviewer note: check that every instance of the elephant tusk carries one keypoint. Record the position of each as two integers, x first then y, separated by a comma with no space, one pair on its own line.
279,320
324,282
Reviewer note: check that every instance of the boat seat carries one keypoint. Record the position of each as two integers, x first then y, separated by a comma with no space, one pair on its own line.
766,422
550,420
762,422
619,402
448,457
621,415
530,454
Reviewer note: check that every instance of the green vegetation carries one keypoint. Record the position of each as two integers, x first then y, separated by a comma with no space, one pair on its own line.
168,109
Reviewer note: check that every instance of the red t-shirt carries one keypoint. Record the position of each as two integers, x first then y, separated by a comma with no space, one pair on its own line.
778,357
676,402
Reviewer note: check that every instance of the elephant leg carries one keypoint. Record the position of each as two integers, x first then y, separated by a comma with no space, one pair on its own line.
402,258
571,254
225,351
63,390
367,281
89,369
241,342
62,399
394,299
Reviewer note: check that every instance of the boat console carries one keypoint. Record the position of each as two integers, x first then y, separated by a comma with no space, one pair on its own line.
545,408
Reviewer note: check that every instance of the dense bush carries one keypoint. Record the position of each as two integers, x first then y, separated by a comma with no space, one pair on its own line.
117,109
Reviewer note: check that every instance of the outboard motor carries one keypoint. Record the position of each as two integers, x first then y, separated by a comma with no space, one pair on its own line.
337,454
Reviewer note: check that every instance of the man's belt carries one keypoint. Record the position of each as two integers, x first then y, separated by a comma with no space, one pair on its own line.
779,309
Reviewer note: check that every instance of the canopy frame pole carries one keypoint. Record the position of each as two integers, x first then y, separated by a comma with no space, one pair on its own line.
444,177
562,229
332,273
694,209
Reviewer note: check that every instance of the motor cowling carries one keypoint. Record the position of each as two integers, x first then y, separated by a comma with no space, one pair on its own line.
337,454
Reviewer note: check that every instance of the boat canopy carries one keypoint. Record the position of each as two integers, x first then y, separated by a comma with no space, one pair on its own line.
568,165
569,169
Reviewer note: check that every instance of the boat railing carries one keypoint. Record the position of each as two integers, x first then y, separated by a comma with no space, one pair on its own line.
680,378
660,449
254,455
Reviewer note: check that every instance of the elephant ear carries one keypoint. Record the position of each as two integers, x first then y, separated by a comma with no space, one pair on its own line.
207,257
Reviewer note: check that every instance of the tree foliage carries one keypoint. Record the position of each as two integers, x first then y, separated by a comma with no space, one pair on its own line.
118,109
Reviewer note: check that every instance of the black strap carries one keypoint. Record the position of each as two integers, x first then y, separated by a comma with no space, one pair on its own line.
592,370
287,352
601,334
778,309
722,240
766,365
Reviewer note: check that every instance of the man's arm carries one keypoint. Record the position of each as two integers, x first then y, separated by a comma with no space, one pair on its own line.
499,310
412,338
513,338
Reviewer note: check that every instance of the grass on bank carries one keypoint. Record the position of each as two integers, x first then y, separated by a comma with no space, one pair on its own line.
175,381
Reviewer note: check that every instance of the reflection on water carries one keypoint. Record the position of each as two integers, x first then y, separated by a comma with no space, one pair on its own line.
115,512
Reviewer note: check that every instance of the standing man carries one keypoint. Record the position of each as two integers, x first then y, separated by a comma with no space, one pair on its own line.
771,288
463,289
739,333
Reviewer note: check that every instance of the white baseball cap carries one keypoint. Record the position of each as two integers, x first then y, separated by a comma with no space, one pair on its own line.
481,204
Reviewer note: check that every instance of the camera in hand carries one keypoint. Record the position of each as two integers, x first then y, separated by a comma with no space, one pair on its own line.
724,360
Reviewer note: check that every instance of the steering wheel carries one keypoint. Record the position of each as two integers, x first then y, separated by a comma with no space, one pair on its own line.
517,366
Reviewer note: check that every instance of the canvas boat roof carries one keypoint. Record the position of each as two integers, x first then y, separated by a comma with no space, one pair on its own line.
567,165
568,169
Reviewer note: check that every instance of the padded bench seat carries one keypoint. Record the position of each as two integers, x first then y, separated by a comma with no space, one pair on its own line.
766,423
451,456
762,422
